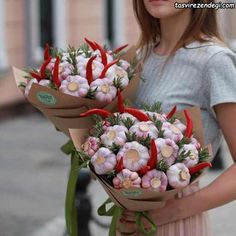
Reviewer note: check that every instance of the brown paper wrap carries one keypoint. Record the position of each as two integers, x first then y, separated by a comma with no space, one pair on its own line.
63,110
139,199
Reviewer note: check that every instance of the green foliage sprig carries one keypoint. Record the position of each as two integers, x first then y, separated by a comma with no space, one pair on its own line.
204,155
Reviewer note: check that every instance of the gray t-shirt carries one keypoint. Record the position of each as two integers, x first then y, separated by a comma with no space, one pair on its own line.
203,74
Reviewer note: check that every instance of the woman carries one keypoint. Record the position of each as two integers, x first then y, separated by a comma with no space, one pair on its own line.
186,64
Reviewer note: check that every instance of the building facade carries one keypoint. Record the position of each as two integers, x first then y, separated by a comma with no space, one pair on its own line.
26,25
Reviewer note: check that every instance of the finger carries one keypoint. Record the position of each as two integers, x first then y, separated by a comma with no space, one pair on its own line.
130,216
124,219
126,227
129,213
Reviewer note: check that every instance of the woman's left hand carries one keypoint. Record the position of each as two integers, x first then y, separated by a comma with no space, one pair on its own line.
174,210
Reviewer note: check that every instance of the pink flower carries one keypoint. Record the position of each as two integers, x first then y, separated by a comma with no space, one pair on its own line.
155,180
127,179
81,61
178,175
177,123
75,85
114,135
124,116
43,82
118,73
105,124
65,68
193,158
103,161
172,132
195,143
105,91
91,146
144,129
134,155
158,116
124,64
97,68
167,150
50,66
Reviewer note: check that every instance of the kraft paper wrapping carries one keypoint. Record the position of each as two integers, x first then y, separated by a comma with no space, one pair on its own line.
139,199
63,110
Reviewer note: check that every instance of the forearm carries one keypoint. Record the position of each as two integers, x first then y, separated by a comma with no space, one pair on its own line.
221,191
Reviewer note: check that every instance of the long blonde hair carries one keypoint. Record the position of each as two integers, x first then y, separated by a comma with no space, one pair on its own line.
203,22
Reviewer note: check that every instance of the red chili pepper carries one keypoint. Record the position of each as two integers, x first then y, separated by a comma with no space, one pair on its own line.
96,111
153,158
103,53
189,128
152,161
89,69
137,113
198,167
36,76
44,67
144,170
103,74
121,107
46,52
119,166
117,50
171,113
91,44
55,76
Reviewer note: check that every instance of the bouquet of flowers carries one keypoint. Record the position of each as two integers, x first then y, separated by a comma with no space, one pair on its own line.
73,81
142,157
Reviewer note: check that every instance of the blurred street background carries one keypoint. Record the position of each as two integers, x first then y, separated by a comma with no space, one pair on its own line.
33,171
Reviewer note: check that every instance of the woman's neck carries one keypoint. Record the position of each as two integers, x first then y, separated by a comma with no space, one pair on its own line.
172,29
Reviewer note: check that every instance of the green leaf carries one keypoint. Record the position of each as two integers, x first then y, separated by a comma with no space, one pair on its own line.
22,85
128,122
117,82
115,148
172,120
68,148
97,130
91,93
143,141
155,107
182,142
183,155
204,155
114,119
162,166
56,52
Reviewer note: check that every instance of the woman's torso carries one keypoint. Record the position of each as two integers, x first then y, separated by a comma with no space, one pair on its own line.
183,82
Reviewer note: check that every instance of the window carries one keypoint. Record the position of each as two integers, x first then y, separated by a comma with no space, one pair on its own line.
114,22
46,23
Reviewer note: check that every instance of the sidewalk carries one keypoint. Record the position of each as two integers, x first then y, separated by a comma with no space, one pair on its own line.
33,176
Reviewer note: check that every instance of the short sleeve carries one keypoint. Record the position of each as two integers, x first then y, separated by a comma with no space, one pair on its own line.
221,78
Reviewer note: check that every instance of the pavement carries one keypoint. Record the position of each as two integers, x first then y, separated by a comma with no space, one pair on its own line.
33,177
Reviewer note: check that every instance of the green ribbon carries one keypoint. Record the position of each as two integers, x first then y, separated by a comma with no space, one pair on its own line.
153,227
70,209
76,166
115,212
